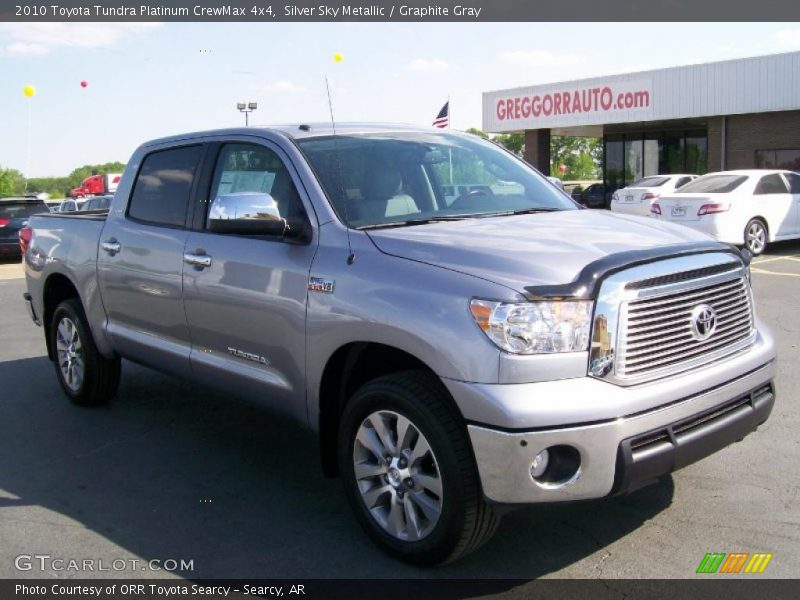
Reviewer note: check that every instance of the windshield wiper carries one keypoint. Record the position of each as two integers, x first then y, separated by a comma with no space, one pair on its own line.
410,222
521,211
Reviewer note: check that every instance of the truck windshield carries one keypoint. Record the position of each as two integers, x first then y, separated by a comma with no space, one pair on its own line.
411,178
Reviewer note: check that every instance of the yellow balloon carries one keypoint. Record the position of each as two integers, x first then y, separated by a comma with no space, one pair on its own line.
338,57
29,91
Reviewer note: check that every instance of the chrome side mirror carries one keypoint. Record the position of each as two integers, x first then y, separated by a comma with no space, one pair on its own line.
251,213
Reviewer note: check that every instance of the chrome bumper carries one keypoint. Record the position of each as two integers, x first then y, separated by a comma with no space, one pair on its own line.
608,463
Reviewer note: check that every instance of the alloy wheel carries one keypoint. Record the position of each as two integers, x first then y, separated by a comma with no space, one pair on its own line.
70,354
397,475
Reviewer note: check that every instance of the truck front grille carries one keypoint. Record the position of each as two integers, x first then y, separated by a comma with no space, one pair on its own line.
656,333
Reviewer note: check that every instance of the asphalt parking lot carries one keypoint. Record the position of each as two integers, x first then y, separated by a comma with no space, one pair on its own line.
172,471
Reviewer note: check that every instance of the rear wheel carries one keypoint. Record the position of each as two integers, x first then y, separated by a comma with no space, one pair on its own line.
409,473
755,236
85,375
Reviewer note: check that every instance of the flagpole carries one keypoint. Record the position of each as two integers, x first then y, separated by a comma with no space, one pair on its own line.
450,149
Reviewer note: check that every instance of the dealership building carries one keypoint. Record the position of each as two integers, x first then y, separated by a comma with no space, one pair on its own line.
735,114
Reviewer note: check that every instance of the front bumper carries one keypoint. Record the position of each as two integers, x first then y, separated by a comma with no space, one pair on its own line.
620,454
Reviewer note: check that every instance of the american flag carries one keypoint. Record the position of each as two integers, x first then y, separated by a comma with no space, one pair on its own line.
442,120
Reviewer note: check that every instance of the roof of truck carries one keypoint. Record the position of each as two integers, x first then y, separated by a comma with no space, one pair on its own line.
307,130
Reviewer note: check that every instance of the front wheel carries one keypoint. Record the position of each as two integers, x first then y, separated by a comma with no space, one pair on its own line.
85,375
755,236
409,473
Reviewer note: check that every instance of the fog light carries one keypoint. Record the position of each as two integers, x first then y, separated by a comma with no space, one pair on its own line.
539,464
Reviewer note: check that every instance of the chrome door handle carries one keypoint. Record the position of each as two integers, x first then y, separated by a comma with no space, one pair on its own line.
111,246
199,261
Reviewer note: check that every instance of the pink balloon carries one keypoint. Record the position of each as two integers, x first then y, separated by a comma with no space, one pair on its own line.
84,83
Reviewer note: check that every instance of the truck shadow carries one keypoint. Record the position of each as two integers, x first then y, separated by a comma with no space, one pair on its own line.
171,470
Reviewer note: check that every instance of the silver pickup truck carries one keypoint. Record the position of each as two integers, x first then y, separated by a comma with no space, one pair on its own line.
462,336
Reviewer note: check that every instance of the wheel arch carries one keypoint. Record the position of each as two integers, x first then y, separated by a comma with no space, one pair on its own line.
348,368
57,288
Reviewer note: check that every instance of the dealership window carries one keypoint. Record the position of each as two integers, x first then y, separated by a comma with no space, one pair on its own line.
631,156
696,152
634,160
787,158
614,163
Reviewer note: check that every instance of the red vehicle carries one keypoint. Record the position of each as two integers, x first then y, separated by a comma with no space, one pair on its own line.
95,185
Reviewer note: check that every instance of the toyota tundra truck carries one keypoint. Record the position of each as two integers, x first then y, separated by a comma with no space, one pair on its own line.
457,354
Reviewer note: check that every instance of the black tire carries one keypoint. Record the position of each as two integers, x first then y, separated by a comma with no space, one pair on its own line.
466,521
100,378
752,228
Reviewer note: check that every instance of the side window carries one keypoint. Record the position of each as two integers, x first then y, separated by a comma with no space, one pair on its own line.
771,184
794,182
163,186
253,193
682,181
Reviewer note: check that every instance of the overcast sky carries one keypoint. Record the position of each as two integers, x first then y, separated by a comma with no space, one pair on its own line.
150,80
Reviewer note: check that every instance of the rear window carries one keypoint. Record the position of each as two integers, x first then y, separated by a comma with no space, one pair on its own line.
651,182
21,209
163,186
714,184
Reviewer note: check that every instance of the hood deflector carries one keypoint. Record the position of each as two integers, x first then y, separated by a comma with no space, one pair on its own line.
587,284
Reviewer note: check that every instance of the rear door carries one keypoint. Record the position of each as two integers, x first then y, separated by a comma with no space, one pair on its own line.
774,202
245,294
140,260
793,179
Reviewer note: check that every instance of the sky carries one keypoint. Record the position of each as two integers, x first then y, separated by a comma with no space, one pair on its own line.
148,80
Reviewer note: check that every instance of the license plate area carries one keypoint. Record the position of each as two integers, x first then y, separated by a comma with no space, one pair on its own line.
678,211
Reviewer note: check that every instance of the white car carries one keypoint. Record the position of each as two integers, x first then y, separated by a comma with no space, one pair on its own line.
637,198
750,208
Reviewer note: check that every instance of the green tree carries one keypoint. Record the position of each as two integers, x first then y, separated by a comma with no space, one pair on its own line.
515,142
12,182
582,157
478,132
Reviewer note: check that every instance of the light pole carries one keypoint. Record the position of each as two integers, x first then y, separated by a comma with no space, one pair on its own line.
246,108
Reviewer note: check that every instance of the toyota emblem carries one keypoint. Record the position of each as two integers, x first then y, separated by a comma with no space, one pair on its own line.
703,322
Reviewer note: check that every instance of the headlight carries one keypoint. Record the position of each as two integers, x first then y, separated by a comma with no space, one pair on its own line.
535,327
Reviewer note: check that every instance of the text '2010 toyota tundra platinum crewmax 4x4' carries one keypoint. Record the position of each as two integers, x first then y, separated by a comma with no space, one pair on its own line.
461,334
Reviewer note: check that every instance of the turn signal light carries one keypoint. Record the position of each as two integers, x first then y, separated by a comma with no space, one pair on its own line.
655,208
710,209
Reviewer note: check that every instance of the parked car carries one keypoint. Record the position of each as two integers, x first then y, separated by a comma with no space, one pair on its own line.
750,207
455,358
594,196
14,215
637,198
97,203
556,182
70,205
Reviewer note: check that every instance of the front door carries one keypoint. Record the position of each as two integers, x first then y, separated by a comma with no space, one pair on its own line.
245,292
793,180
776,204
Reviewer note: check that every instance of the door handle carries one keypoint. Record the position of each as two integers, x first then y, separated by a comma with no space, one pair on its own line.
198,261
111,246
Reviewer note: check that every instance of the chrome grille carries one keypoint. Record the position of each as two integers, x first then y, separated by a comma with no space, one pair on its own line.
655,334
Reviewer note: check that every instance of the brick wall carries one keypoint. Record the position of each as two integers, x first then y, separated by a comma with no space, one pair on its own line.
748,133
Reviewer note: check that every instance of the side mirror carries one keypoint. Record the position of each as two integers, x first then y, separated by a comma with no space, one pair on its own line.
253,213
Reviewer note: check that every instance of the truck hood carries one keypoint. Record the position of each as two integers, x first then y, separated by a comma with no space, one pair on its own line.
530,250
